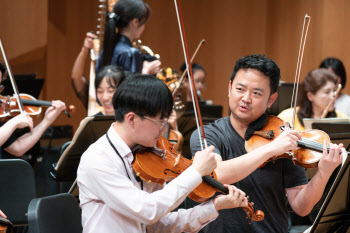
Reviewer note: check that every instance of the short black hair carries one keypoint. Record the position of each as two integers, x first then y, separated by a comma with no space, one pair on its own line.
261,63
145,95
114,74
2,69
337,67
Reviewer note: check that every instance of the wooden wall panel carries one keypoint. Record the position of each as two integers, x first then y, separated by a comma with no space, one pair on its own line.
232,28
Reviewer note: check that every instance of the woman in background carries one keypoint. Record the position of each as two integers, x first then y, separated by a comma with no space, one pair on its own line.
124,25
106,83
342,103
316,92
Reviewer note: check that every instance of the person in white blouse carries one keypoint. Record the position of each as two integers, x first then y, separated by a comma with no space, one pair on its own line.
113,200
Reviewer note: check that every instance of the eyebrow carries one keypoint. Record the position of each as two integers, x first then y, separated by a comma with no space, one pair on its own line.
256,88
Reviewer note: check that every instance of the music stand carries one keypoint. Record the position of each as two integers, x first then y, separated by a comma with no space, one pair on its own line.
26,83
334,215
285,92
90,129
338,132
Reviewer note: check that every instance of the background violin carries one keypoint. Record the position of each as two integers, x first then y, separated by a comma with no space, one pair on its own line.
9,106
164,163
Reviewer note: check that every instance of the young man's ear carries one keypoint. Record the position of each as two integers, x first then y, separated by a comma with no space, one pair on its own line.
130,118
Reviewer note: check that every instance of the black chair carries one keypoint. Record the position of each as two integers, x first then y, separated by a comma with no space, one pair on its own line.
17,189
54,214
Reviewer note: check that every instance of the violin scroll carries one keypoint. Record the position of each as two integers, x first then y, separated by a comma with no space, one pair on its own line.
257,216
69,110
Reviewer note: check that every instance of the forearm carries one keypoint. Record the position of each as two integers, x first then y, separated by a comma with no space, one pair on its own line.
78,69
309,195
27,141
234,170
6,131
186,220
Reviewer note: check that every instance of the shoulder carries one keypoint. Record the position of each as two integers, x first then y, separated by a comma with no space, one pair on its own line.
341,114
96,156
216,127
122,49
286,112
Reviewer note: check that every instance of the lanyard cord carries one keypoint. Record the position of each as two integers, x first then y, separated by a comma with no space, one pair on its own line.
116,151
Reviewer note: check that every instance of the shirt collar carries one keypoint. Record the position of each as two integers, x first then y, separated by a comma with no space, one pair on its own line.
124,39
118,142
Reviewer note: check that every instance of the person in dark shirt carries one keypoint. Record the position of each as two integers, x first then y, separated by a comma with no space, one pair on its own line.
253,89
124,25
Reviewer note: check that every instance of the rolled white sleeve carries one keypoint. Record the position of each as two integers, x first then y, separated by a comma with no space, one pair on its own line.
190,220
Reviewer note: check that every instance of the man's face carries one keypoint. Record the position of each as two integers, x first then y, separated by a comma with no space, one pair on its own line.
249,95
149,130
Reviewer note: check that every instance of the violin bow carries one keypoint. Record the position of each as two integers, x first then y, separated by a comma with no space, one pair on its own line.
13,82
185,72
190,74
298,69
336,93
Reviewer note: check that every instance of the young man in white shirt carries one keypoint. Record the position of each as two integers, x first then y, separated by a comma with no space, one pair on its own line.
111,197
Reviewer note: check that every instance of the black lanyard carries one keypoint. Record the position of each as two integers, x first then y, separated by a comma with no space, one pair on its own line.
115,149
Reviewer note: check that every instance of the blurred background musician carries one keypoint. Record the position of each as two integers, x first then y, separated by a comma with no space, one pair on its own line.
199,75
342,103
316,92
123,26
79,82
17,146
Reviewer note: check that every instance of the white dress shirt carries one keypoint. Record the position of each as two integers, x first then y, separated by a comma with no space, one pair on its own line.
111,202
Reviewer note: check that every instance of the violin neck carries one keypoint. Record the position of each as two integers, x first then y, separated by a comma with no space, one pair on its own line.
309,144
36,102
214,183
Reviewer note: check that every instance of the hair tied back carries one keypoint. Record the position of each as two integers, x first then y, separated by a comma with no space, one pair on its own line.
114,16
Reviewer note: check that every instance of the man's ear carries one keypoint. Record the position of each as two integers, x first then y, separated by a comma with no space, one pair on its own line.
229,88
272,99
130,118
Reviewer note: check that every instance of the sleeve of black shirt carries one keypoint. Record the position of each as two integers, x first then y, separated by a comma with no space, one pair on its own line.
210,137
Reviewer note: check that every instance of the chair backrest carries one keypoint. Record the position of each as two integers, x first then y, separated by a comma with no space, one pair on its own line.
54,214
17,189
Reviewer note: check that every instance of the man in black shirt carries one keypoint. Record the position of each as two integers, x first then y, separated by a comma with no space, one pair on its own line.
253,89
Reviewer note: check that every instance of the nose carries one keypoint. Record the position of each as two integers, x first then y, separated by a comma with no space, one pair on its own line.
105,95
246,97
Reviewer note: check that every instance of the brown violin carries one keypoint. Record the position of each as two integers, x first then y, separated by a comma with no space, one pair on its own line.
9,106
310,148
164,163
